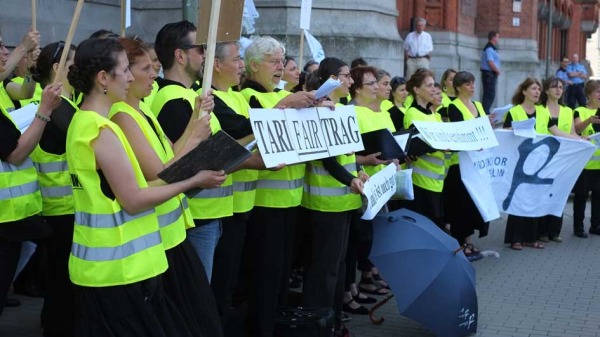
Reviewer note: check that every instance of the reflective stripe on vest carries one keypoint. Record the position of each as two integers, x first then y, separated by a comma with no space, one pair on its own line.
432,160
116,253
11,192
107,220
280,184
8,167
241,186
323,172
428,174
59,166
56,191
168,218
327,191
219,192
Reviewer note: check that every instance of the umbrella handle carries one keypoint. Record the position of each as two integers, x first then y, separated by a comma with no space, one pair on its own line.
374,320
459,249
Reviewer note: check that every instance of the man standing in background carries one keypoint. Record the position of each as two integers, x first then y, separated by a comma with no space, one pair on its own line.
577,75
561,73
490,70
417,48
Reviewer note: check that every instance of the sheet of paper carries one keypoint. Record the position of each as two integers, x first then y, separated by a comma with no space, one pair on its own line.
524,128
24,116
500,112
402,140
327,87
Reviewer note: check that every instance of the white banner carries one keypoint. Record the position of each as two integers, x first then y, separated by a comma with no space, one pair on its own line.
289,136
475,134
305,11
378,190
249,17
316,49
530,177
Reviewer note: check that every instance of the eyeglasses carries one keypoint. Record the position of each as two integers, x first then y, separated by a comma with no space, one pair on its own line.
347,75
199,47
372,83
276,61
60,46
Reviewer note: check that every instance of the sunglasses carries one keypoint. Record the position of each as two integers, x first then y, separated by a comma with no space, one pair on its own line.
200,47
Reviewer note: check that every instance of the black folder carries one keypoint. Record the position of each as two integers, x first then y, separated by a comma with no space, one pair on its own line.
218,152
382,141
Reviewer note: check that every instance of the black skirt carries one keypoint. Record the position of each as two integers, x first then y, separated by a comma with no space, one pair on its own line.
185,283
459,209
139,309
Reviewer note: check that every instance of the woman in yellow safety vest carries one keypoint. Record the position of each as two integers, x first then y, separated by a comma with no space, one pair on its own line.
521,230
117,257
185,281
20,198
398,95
587,123
460,210
448,92
50,160
552,100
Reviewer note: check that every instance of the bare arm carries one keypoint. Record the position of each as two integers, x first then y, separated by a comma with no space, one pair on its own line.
559,133
31,137
30,42
580,125
21,91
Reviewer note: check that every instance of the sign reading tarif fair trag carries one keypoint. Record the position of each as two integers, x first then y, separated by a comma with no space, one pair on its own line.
289,136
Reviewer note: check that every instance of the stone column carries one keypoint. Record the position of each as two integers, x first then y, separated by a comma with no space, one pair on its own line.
346,29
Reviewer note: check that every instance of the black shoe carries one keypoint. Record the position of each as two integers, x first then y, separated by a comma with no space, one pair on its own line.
346,317
356,311
595,230
368,300
12,302
582,235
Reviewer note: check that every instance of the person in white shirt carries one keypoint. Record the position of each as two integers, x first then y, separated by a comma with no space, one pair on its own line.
417,48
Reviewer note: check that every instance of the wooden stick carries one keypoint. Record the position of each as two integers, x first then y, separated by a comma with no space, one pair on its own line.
123,18
68,41
209,59
301,64
34,15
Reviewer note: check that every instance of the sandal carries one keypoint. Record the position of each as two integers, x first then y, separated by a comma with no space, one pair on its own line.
357,309
364,300
535,245
380,281
472,248
366,285
516,246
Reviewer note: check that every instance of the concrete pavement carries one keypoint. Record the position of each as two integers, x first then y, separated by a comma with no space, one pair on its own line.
530,293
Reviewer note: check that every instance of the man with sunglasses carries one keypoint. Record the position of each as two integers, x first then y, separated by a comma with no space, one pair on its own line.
173,104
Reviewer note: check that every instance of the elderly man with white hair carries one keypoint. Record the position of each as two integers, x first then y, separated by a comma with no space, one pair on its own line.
417,48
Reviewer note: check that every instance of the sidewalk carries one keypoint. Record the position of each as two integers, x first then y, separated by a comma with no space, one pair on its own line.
549,292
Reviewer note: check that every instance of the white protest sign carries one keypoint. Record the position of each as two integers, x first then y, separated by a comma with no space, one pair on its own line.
378,190
530,177
292,136
305,9
23,117
468,135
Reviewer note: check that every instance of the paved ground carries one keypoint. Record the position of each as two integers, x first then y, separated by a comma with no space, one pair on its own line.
550,292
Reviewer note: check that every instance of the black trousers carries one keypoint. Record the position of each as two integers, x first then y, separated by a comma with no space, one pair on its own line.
489,80
58,312
326,272
227,260
9,257
575,95
521,229
588,181
550,226
271,240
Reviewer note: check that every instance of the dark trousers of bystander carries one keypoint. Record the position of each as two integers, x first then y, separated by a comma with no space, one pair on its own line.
489,80
575,96
270,233
521,229
326,272
588,181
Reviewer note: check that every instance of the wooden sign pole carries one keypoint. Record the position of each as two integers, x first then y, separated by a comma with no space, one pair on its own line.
211,45
68,41
123,18
33,15
301,64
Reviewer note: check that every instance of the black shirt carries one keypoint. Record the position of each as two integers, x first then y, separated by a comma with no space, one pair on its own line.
54,138
175,114
236,125
254,102
397,117
9,137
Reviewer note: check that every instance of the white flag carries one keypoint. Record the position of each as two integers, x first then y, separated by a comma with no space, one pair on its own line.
305,9
316,49
127,13
249,17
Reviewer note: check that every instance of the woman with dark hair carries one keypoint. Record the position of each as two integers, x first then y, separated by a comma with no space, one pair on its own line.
398,95
521,230
384,90
552,96
459,209
291,74
430,170
21,201
50,160
332,188
364,92
448,92
587,123
185,281
117,257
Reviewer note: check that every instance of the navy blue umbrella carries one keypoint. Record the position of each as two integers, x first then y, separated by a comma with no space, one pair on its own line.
432,280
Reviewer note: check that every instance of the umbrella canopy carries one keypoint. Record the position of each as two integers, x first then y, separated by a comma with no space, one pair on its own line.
431,283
